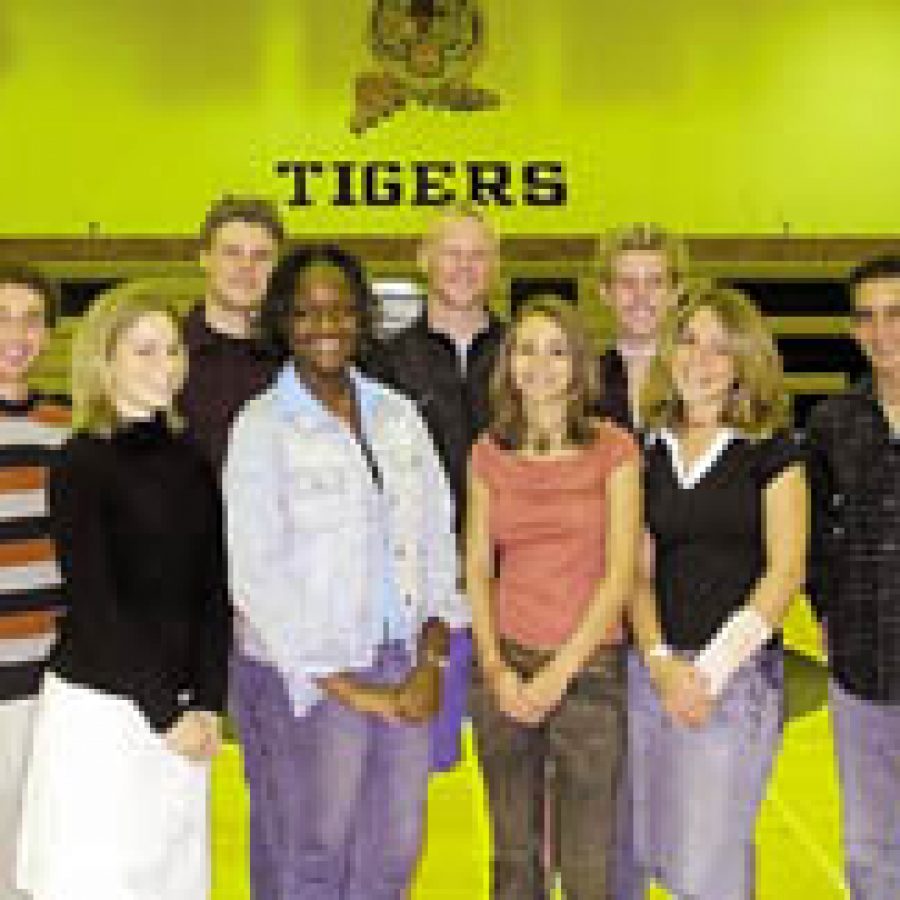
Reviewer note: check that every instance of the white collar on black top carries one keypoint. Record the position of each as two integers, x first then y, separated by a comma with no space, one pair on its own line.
689,478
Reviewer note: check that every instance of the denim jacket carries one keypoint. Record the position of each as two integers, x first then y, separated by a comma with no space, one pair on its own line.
317,550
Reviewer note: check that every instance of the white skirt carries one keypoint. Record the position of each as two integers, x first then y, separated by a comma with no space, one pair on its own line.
109,812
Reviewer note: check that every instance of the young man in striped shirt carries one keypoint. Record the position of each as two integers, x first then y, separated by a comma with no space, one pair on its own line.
32,426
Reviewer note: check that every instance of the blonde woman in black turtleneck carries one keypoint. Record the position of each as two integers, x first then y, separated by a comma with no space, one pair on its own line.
116,800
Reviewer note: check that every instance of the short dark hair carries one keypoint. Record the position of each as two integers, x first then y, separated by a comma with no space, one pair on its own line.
27,276
242,208
886,266
278,303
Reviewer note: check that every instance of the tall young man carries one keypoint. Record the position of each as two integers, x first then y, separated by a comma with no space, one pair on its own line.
32,426
443,361
641,269
242,238
855,581
227,365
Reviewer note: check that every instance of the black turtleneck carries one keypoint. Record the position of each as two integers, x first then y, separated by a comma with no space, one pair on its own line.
138,522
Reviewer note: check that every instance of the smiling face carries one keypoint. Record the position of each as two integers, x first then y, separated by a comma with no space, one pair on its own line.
324,325
22,331
147,367
640,291
702,366
877,325
238,264
459,261
541,360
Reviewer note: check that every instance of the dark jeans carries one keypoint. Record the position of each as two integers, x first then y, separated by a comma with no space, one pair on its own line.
584,738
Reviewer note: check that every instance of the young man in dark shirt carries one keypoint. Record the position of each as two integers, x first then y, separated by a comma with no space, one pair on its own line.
854,579
443,361
32,426
227,365
642,268
242,238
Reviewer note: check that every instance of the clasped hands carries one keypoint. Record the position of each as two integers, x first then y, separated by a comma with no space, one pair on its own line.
416,699
527,700
683,690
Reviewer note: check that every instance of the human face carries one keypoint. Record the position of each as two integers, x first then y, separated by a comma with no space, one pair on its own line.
22,331
148,367
541,360
238,264
324,329
640,291
460,261
877,325
703,368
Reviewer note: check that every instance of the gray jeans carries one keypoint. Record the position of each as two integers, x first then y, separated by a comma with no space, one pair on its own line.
584,738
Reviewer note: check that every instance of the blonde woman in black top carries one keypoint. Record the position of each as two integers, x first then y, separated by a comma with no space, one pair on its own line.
115,805
726,514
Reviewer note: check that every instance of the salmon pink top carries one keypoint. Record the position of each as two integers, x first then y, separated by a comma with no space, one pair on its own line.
547,527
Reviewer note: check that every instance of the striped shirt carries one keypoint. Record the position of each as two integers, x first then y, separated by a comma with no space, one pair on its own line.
30,598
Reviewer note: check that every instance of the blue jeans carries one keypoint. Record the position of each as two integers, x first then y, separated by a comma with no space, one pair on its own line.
341,795
697,791
867,741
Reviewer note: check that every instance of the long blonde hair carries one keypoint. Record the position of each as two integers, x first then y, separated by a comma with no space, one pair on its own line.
111,314
758,403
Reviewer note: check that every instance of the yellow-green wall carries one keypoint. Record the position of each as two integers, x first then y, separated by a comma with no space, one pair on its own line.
707,115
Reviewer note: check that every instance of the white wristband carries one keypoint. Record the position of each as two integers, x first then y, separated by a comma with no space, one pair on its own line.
736,641
660,650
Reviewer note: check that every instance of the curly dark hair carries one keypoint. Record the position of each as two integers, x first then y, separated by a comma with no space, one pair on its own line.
281,295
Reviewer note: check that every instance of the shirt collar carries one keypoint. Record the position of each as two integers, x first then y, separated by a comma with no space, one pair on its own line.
494,328
293,398
688,476
200,336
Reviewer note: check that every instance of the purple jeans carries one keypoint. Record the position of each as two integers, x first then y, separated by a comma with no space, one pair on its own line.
696,791
256,691
867,741
341,795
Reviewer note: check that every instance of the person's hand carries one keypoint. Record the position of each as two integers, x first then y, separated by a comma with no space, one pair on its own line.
544,691
419,696
434,642
508,690
196,735
683,691
380,700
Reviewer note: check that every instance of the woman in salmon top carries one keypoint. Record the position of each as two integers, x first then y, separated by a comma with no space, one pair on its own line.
552,532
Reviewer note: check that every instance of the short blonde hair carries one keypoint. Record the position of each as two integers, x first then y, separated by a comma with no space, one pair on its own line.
111,314
641,237
457,213
759,403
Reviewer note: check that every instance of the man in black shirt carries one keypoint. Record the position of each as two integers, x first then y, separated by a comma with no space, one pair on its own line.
443,361
228,364
641,270
855,581
242,237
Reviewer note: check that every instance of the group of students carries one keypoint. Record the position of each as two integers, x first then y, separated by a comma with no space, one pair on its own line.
263,507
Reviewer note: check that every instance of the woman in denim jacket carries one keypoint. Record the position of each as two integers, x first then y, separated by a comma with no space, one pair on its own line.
343,568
